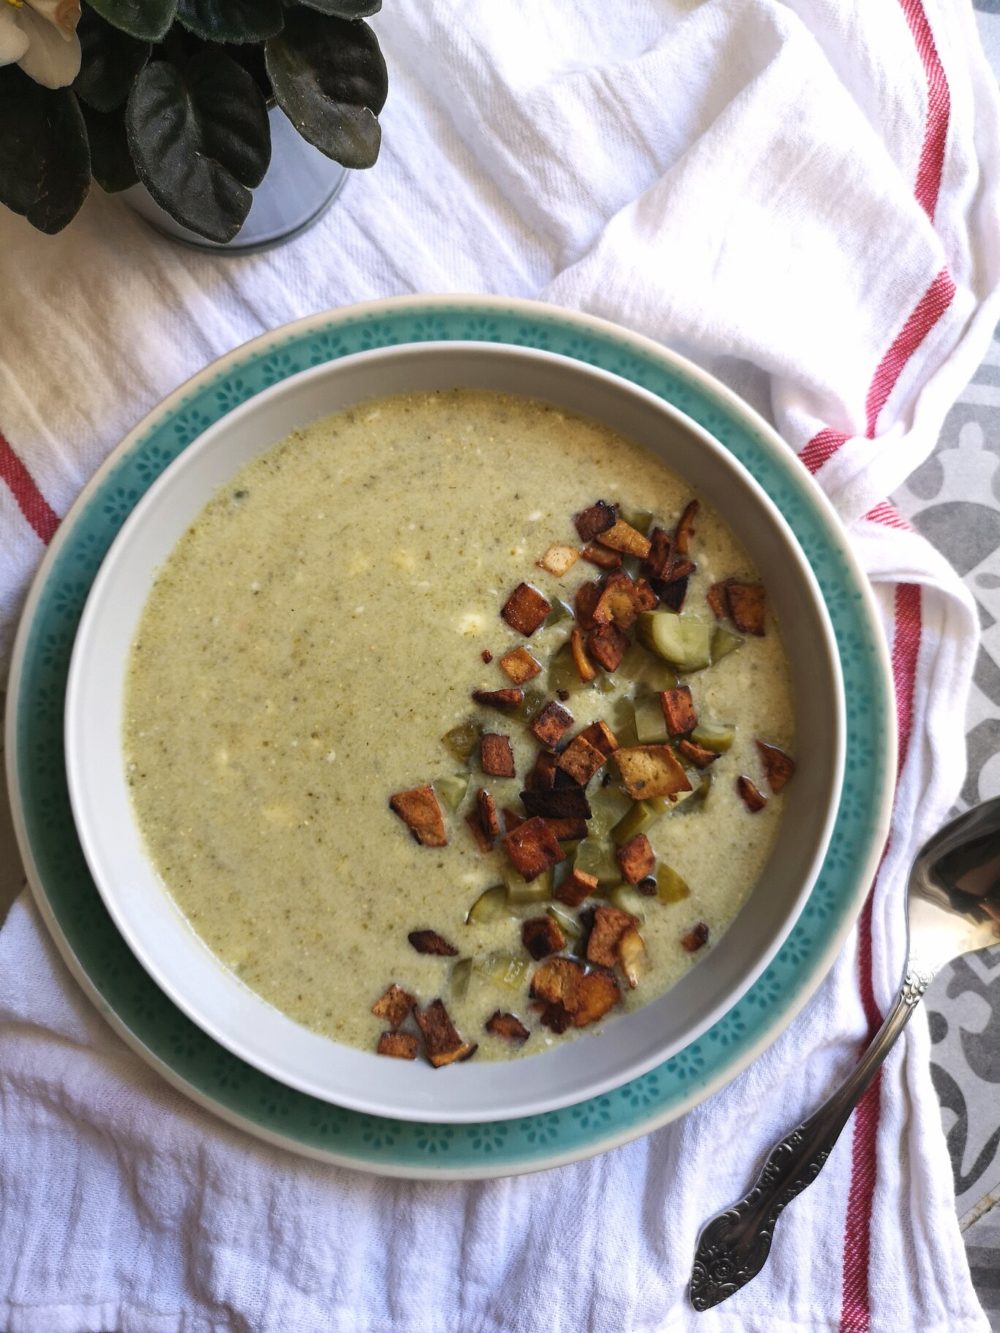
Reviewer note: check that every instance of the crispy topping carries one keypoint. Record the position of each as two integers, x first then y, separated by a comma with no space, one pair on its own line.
442,1043
598,518
695,938
685,528
621,601
636,858
525,609
542,776
575,887
581,759
507,1026
751,795
519,666
542,936
744,603
672,594
483,840
532,847
486,808
559,560
487,656
568,829
660,557
610,924
571,997
600,735
602,557
718,600
631,955
511,819
503,700
557,803
584,668
678,710
623,537
550,724
779,768
429,941
586,599
400,1045
496,755
393,1006
420,812
650,770
607,645
696,754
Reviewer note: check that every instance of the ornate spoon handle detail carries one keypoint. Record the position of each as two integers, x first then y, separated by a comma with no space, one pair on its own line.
734,1246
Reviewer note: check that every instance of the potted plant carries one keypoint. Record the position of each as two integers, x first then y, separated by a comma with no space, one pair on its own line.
175,95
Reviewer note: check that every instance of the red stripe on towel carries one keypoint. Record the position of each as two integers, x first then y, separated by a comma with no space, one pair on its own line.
931,164
929,309
855,1316
31,502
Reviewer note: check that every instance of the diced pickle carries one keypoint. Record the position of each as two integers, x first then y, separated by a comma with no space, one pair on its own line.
639,519
715,736
650,724
529,705
683,641
627,900
640,665
607,806
639,819
566,921
596,857
723,642
506,969
563,674
604,684
670,887
491,905
458,981
561,611
461,740
521,891
452,789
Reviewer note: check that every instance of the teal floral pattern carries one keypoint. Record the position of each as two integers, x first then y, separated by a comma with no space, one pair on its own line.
118,982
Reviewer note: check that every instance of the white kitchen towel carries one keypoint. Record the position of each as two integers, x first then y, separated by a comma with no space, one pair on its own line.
803,196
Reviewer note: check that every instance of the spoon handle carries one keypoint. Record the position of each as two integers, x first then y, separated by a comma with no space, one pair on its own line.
733,1247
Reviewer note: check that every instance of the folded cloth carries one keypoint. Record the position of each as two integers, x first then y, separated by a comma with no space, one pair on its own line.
805,197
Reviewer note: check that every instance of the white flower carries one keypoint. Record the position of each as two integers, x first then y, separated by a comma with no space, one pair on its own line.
40,36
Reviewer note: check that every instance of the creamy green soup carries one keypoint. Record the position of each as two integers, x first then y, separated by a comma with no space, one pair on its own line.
321,626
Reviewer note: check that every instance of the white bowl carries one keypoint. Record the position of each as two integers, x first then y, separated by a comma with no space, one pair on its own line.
208,992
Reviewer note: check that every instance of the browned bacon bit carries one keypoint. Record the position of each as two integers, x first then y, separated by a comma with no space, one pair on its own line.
601,736
696,754
779,768
622,600
525,609
660,557
571,997
542,777
650,770
429,941
496,755
636,858
678,710
631,955
487,656
598,518
718,600
750,794
442,1043
568,829
685,528
557,803
623,537
747,606
507,1026
519,666
488,817
532,847
511,819
610,924
542,936
550,723
559,560
503,700
647,886
577,886
420,812
587,597
584,667
394,1005
607,645
581,760
400,1045
601,557
483,840
695,938
672,594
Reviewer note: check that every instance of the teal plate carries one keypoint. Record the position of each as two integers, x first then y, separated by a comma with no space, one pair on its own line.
186,1056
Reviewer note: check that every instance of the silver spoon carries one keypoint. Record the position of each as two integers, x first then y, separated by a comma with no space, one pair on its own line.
953,907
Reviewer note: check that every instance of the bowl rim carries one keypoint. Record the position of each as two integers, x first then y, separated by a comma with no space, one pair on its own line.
357,1093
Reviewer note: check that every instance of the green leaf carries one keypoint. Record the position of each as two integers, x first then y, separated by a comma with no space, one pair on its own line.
111,60
44,159
200,140
148,20
330,80
110,160
231,20
345,9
